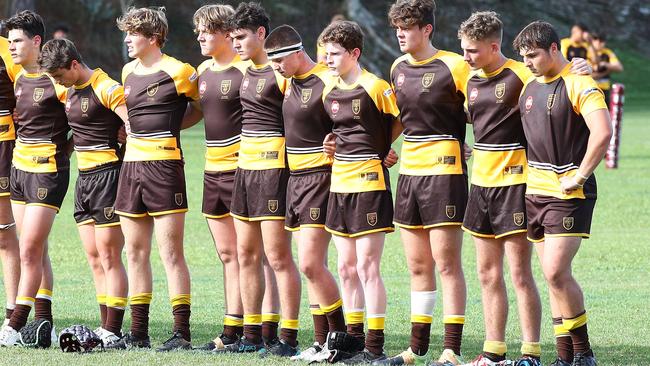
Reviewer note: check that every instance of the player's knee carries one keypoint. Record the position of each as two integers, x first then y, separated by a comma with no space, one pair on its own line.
522,278
280,261
311,269
489,275
347,272
418,268
249,258
450,269
138,255
557,278
228,256
368,270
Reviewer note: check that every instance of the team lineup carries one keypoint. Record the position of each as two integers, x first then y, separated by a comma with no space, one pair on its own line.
300,149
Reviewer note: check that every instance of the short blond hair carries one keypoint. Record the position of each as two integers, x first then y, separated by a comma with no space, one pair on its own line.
150,22
213,17
480,26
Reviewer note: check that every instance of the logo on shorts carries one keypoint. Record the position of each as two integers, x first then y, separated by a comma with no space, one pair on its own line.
450,211
41,193
356,106
427,79
400,80
178,198
85,102
260,85
38,94
4,182
371,218
518,218
500,90
305,96
109,213
225,86
273,205
567,223
550,101
152,89
314,213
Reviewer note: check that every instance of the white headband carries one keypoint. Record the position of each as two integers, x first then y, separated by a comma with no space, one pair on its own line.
284,51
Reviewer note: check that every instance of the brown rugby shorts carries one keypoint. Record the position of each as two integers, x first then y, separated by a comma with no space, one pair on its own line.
6,154
307,196
39,189
217,193
357,214
259,195
151,188
94,196
553,217
424,202
495,212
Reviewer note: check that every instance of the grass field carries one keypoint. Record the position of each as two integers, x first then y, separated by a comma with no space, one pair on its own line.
612,268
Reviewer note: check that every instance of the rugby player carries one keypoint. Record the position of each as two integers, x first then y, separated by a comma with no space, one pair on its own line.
578,44
567,127
151,193
96,111
432,185
9,252
40,172
360,206
306,125
608,63
220,77
259,193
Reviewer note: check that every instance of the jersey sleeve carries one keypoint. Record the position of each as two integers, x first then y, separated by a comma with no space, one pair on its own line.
283,83
110,93
61,92
384,98
203,66
585,95
186,80
613,59
564,46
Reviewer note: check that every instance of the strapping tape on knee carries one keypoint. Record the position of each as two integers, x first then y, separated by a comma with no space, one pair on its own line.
7,226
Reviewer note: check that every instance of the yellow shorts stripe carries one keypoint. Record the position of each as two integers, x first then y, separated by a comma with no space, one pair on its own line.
99,226
215,217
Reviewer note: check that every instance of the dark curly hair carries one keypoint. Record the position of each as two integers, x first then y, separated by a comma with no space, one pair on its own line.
537,34
250,16
346,33
29,22
480,26
58,54
406,13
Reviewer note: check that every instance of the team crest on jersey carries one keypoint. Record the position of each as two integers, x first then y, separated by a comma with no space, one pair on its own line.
244,84
473,95
567,222
500,90
203,87
450,211
400,80
152,89
109,213
273,206
550,101
314,213
427,79
305,96
178,198
371,218
529,102
38,94
518,218
335,107
260,85
225,86
127,91
356,106
41,193
85,102
4,182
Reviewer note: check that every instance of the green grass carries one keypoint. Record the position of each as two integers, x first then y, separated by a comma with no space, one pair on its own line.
612,268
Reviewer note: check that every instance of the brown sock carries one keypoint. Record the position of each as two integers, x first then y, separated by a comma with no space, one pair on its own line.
375,341
140,320
8,313
182,320
253,333
563,343
336,320
114,320
19,316
233,331
420,333
289,336
453,337
580,339
103,314
269,331
43,309
321,326
356,330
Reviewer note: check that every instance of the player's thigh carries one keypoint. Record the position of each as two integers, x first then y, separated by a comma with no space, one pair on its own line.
417,249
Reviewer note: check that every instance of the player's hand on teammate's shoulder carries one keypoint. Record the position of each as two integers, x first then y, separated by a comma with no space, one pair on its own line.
580,66
329,144
391,158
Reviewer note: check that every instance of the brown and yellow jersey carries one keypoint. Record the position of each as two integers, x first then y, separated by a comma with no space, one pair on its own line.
606,55
306,123
8,73
90,110
42,126
499,140
222,112
571,49
262,141
430,97
362,115
552,111
156,102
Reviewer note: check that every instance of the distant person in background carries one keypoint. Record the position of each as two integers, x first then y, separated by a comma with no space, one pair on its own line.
61,32
321,55
578,44
607,64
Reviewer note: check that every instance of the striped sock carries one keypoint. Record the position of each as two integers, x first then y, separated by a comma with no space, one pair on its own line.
563,343
375,337
43,305
577,326
181,309
531,349
115,307
101,300
253,328
495,350
453,332
335,317
289,331
354,320
233,325
422,305
140,314
21,312
270,324
320,323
